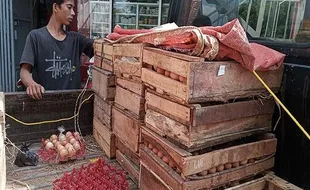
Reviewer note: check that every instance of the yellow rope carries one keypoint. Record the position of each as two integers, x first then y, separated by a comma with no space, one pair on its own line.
283,106
50,121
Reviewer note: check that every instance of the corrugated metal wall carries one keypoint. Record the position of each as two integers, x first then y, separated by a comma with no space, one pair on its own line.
7,62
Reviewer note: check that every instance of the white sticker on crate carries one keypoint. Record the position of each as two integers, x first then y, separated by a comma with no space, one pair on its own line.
221,70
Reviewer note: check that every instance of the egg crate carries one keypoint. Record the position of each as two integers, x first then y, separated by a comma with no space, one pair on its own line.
52,155
98,175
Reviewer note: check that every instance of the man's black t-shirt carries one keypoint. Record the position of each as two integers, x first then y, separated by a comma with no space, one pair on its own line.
56,64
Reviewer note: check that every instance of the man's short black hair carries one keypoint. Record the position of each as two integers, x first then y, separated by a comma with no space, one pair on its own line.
202,20
50,3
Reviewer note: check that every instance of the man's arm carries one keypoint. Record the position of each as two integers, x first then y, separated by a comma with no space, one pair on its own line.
34,90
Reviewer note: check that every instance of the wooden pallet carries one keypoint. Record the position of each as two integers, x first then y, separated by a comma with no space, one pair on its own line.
126,127
103,111
103,83
268,182
196,126
129,160
127,97
209,160
104,137
103,55
204,81
2,139
157,174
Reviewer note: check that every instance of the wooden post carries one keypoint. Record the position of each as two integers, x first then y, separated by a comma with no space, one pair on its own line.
2,147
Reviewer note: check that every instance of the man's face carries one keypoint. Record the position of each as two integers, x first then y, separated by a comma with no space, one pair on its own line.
65,12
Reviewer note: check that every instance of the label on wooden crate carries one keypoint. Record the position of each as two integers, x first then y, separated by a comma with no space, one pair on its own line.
221,70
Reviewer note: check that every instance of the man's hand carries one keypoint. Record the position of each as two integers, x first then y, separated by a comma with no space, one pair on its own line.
35,91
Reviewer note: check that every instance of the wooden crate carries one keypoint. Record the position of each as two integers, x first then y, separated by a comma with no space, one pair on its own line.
103,55
127,60
127,97
103,111
268,182
103,83
205,81
104,137
158,175
129,160
207,160
126,127
2,146
196,126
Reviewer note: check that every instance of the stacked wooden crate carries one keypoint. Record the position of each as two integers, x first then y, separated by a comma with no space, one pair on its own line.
128,111
103,84
205,125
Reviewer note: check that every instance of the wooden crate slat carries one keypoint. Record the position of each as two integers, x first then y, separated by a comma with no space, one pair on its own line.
132,156
128,166
126,127
130,101
166,84
103,111
105,138
133,86
165,62
103,83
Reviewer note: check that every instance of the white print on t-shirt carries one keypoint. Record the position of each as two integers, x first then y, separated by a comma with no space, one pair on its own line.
60,66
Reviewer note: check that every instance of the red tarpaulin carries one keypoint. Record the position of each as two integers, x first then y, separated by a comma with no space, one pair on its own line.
227,42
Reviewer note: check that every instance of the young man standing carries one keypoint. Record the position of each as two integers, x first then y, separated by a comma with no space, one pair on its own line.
51,56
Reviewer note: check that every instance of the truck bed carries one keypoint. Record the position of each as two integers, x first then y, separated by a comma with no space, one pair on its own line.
43,175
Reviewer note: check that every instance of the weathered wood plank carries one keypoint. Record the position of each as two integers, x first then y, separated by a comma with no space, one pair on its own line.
225,112
174,55
128,50
126,128
105,138
168,85
162,170
231,85
103,83
109,150
2,146
130,67
195,164
54,105
258,184
128,166
166,62
168,127
148,179
279,184
103,63
133,86
237,174
177,111
132,156
130,101
103,111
